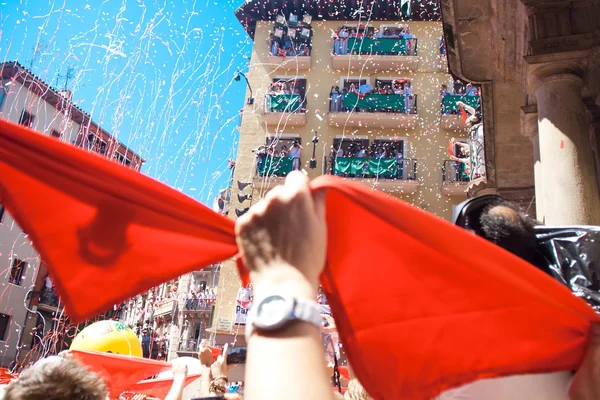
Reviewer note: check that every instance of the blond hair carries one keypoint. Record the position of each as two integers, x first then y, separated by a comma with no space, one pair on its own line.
356,391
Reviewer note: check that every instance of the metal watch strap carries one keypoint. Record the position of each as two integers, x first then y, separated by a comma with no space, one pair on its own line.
304,310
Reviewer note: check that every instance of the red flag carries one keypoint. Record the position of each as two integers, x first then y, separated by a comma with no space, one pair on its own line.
105,231
216,352
159,387
421,305
463,113
119,372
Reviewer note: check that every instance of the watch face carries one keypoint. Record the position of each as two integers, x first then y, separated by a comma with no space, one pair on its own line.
272,312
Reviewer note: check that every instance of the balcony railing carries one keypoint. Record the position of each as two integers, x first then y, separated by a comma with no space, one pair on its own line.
273,166
454,172
450,106
380,168
384,46
199,304
373,102
285,103
49,297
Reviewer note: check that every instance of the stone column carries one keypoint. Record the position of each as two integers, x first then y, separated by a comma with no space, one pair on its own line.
570,189
529,126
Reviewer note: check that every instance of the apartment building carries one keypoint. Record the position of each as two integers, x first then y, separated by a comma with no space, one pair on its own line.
29,306
365,91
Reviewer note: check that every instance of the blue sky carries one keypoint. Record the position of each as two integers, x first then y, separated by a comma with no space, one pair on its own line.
157,74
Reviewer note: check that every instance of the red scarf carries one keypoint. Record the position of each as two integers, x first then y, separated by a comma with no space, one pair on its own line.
421,305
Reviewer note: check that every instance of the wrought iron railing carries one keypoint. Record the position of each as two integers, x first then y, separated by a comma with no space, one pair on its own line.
373,102
454,172
49,297
366,167
289,103
380,46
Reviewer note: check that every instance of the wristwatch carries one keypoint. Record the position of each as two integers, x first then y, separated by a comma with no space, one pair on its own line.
277,311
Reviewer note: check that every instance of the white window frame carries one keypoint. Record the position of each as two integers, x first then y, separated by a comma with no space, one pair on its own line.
383,27
356,24
348,137
392,78
284,135
343,79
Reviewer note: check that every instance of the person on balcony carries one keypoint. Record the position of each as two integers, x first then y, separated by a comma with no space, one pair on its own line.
365,89
294,154
284,151
408,98
360,152
471,90
336,99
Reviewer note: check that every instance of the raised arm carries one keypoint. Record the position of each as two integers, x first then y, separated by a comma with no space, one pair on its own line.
467,107
283,241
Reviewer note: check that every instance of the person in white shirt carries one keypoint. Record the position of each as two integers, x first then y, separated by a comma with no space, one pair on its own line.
360,153
294,154
408,98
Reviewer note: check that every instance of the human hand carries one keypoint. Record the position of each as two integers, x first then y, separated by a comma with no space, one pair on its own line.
179,370
460,103
283,238
220,368
205,354
586,383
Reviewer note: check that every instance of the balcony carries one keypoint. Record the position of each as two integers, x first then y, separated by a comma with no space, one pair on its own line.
271,171
387,174
375,54
373,111
49,300
285,109
451,117
455,179
199,305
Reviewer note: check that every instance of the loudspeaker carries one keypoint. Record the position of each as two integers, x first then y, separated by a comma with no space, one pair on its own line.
242,185
243,198
313,164
239,212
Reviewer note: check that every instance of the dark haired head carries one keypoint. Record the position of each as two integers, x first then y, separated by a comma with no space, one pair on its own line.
505,225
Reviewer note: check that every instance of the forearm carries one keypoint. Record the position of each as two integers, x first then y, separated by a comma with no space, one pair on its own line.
176,392
287,364
469,109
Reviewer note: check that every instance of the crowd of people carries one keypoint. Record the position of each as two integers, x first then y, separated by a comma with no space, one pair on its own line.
200,299
374,150
286,46
343,33
398,87
271,151
286,90
458,89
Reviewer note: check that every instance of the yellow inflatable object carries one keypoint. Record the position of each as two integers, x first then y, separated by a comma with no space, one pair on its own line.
108,337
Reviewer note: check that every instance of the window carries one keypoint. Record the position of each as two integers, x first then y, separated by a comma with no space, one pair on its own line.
122,159
26,119
286,95
55,134
4,322
17,271
351,84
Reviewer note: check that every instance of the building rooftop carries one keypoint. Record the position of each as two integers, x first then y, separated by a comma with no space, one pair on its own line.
62,101
337,10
